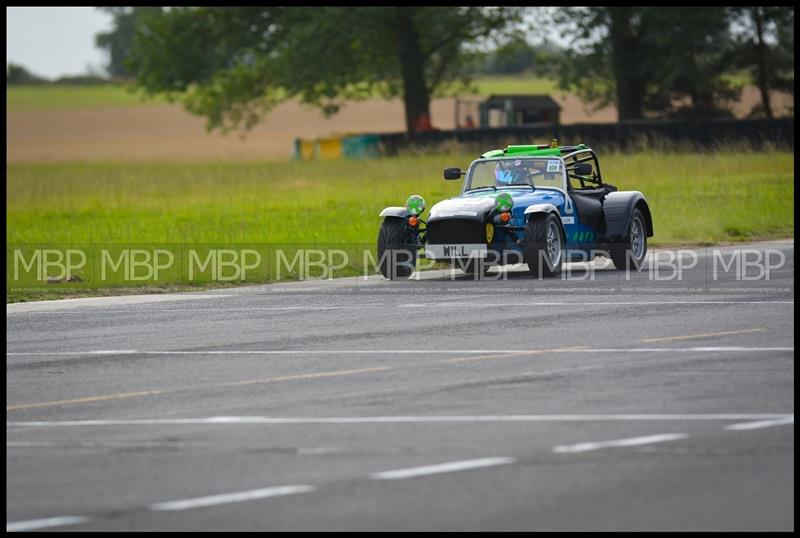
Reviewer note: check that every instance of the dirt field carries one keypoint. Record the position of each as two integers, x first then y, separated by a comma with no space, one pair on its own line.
168,133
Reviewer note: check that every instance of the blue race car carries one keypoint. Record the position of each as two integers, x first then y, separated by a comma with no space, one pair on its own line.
536,204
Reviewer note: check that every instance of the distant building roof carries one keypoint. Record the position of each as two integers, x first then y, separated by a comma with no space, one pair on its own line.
541,102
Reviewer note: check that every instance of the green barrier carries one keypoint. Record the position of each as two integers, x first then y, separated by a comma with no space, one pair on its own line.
336,147
360,147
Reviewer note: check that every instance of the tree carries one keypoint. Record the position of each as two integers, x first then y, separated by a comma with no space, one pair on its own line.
765,49
517,56
648,60
604,63
17,74
696,66
627,38
118,41
232,64
607,61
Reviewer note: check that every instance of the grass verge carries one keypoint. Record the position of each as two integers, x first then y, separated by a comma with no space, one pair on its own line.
725,196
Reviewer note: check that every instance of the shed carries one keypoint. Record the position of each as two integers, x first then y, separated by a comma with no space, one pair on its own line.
518,110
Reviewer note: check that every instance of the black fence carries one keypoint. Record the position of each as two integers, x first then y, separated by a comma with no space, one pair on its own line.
625,136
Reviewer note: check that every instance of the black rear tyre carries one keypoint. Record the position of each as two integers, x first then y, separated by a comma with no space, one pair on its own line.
397,257
630,253
544,245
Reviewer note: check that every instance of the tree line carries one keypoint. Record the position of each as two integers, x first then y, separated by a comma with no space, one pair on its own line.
679,61
19,75
231,65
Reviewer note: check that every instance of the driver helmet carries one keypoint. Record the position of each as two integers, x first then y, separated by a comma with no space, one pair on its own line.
510,172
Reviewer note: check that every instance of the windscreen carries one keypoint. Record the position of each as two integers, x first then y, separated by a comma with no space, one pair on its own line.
515,173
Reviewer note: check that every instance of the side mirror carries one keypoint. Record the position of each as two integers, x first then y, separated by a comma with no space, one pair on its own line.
582,169
452,173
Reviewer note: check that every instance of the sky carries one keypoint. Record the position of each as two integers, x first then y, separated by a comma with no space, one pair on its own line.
55,41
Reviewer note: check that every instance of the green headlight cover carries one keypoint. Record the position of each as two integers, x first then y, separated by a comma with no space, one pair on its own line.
503,202
415,205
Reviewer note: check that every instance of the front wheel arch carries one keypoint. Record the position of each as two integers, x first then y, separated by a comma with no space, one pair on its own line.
528,217
397,253
536,246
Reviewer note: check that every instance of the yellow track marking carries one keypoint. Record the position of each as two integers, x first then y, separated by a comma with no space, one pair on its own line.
231,384
302,376
86,400
511,354
704,335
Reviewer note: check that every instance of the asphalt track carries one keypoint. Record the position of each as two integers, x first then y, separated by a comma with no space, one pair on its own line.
440,404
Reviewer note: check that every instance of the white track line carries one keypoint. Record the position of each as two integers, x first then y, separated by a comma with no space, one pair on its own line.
761,424
387,307
633,441
396,351
404,419
34,524
221,309
227,498
441,468
99,302
571,303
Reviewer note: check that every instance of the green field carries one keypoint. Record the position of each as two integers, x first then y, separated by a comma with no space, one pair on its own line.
511,84
694,198
57,97
65,97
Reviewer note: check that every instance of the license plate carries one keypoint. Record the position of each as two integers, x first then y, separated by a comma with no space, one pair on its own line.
437,252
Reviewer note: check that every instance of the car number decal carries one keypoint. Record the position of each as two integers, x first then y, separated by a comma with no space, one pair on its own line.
466,250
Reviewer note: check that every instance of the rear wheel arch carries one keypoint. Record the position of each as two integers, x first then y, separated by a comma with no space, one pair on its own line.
624,254
642,206
618,209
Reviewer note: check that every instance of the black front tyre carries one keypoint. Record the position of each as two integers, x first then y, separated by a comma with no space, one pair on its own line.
630,253
397,257
543,245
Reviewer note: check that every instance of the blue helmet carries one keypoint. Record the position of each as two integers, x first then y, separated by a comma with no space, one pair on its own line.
509,172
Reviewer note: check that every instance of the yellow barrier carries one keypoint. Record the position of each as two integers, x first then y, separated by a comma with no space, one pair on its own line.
329,148
320,148
308,149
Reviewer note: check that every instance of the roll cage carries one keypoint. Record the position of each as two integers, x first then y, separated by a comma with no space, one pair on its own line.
577,155
570,155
